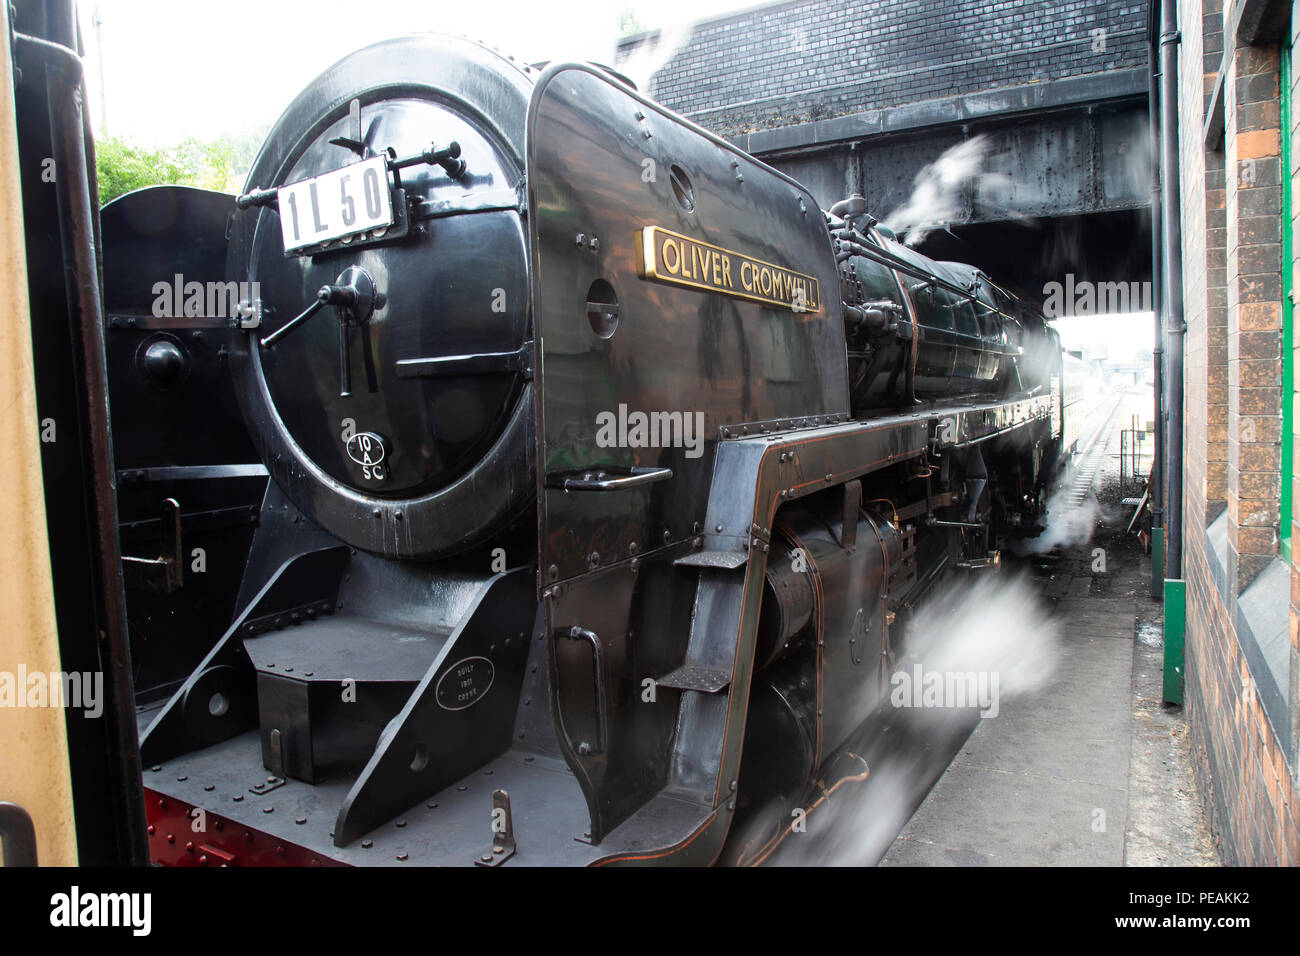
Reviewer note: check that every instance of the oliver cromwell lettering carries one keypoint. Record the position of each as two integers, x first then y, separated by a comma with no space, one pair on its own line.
680,260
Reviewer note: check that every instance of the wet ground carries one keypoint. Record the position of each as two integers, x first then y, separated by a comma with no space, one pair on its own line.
1087,766
1093,768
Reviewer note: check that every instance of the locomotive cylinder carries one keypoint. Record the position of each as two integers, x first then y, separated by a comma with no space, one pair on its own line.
822,628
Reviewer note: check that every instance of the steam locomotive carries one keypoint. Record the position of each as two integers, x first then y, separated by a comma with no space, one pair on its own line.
554,481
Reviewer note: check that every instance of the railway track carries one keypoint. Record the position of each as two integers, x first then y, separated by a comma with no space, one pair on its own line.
1089,459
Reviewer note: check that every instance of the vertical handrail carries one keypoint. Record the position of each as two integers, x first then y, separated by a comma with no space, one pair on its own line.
583,635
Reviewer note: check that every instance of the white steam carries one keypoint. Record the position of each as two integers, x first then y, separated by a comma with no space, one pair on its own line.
867,816
938,192
653,55
1070,520
996,624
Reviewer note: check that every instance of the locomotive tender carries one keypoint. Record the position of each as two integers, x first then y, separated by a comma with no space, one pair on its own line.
605,469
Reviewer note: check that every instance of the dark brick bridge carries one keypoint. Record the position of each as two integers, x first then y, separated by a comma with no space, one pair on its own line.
860,95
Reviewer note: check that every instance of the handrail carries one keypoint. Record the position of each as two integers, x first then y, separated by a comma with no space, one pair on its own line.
598,479
590,637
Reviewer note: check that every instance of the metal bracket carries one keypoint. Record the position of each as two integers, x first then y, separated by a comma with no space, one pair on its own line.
63,63
273,782
208,853
858,629
166,572
492,200
503,832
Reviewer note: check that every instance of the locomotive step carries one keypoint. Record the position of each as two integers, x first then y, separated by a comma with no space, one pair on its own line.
327,688
347,647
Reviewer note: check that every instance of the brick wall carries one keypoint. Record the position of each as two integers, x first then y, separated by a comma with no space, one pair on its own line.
1244,776
1288,793
794,63
1233,297
1254,272
1215,369
1205,265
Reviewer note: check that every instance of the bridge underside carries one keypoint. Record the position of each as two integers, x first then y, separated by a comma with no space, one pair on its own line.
1025,256
1052,186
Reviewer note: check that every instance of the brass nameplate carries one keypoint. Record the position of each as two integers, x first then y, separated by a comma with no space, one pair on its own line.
680,260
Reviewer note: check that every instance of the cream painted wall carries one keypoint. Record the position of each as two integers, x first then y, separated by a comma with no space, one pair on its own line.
33,744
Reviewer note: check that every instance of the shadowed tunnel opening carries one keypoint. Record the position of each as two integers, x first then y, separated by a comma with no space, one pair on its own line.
1026,255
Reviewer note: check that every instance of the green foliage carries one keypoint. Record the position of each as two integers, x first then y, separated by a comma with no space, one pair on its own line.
219,164
123,166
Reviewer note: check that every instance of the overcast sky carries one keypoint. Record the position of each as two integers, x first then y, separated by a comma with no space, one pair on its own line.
177,68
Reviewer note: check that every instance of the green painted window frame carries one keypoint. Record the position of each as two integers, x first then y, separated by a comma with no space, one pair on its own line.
1288,357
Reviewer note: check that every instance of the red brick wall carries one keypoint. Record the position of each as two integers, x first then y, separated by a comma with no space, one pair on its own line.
1232,436
1244,777
1252,142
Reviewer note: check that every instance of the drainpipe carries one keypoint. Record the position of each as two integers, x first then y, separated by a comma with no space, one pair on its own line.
1172,244
1172,240
1156,490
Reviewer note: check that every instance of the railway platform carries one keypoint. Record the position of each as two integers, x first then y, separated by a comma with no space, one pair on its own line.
1091,768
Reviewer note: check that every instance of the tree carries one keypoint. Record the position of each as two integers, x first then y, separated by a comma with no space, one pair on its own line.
219,164
122,166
